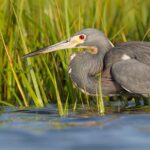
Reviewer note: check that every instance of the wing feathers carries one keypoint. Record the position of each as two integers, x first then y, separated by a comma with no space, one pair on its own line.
132,75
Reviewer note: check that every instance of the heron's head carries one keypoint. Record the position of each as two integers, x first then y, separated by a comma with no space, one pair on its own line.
85,38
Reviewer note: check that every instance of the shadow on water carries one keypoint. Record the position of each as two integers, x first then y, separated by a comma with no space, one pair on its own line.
38,128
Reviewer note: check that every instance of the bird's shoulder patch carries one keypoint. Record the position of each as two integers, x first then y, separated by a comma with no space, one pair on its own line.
125,57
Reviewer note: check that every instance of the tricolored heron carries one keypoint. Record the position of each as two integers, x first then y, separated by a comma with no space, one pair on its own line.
125,67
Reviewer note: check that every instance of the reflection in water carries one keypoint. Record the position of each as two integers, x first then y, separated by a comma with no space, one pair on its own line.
83,129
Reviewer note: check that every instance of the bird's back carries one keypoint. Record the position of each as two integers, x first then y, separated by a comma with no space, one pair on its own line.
129,66
128,50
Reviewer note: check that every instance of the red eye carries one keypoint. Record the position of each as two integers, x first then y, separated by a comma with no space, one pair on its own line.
82,37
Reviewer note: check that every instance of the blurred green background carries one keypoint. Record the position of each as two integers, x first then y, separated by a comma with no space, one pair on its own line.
27,25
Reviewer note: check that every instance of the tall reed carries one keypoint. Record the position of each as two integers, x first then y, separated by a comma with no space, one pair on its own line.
27,25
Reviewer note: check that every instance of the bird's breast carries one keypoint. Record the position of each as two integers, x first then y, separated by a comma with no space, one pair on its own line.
83,68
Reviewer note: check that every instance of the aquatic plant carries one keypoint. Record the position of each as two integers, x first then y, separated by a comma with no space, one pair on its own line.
29,25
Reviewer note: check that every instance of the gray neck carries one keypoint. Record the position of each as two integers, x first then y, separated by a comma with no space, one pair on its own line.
85,66
102,50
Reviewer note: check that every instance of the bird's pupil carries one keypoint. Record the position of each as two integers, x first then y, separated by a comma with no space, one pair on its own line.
81,37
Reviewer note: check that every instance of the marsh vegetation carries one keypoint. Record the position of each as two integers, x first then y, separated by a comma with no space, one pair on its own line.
27,25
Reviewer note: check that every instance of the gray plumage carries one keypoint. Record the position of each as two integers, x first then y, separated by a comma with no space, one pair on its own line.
123,68
133,74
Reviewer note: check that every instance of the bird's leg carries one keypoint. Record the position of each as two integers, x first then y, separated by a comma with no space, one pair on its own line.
146,100
118,103
137,101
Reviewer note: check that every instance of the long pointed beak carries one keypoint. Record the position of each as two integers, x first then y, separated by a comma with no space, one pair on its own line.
59,46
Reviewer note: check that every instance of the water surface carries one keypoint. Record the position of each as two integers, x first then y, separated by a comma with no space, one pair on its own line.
37,129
